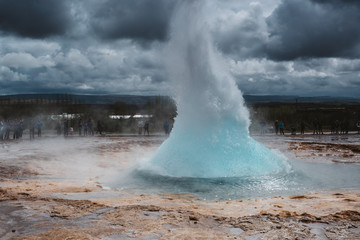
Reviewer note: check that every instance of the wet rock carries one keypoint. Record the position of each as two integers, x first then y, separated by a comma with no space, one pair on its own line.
5,195
193,218
345,215
301,197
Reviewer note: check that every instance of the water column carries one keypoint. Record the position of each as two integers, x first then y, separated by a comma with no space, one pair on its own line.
210,137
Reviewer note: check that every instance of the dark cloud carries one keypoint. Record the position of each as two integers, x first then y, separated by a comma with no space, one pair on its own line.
158,78
338,2
34,19
140,20
314,28
245,37
116,46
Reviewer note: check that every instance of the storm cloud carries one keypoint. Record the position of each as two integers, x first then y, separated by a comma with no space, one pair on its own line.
35,19
302,47
317,28
242,34
139,20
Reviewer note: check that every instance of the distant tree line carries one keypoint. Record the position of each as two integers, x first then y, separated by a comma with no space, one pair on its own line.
56,99
161,109
292,114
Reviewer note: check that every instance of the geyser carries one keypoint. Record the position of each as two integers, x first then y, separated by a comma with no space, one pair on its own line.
210,137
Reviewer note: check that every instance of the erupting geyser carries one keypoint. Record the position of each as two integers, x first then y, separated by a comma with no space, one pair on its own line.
210,137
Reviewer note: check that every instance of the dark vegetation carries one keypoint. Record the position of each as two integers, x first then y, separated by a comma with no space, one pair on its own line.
58,107
49,108
292,113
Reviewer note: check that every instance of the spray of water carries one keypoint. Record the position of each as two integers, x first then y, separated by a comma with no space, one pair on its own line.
210,136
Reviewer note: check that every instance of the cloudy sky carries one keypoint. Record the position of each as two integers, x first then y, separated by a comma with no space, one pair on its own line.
286,47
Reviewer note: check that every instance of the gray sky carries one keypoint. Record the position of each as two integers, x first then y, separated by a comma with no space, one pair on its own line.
286,47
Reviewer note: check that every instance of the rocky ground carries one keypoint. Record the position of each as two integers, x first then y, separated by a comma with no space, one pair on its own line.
53,189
